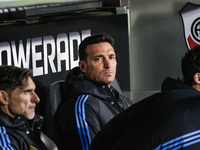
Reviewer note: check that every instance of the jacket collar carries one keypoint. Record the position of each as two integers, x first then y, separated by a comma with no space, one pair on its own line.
77,84
19,121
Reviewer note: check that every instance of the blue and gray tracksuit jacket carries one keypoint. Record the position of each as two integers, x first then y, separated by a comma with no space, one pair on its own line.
19,134
85,110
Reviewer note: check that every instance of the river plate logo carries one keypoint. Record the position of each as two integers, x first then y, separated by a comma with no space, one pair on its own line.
191,21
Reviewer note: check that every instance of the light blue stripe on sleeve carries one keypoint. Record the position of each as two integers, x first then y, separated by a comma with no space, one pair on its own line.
5,143
181,141
81,122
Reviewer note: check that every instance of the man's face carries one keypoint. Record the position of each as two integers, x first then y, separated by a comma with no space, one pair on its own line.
23,100
101,64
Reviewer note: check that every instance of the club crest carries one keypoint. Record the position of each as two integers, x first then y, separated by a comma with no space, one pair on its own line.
191,21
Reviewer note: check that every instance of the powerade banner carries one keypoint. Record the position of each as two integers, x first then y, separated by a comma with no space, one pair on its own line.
191,20
51,49
44,54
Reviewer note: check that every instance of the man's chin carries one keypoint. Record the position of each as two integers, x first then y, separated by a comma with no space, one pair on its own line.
29,116
108,82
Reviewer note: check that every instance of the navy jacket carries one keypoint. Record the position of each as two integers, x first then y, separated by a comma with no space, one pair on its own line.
19,134
166,120
87,108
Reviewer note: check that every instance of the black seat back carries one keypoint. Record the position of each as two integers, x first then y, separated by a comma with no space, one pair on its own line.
56,95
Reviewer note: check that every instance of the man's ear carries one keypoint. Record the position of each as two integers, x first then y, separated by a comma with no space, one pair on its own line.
3,97
197,78
82,66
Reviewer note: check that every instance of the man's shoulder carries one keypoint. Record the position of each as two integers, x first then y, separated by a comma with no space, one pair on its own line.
178,105
78,100
190,103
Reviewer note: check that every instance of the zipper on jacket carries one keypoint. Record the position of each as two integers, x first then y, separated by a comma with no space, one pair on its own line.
114,98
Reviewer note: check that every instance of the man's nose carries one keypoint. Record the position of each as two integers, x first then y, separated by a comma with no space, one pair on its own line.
107,63
35,98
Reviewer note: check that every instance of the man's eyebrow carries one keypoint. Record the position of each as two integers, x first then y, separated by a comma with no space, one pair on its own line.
97,56
28,90
113,54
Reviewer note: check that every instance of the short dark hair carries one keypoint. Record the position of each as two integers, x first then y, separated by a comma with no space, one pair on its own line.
12,77
191,65
95,39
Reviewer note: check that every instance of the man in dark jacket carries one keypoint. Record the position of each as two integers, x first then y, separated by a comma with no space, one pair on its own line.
166,120
20,127
91,101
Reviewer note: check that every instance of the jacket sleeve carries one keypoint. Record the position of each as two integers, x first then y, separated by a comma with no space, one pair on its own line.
174,127
86,120
11,141
6,140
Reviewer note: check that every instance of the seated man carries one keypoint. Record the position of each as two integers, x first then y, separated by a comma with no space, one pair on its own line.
20,126
167,120
91,101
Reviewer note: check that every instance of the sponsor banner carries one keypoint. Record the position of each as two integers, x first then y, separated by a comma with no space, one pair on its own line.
51,49
191,21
